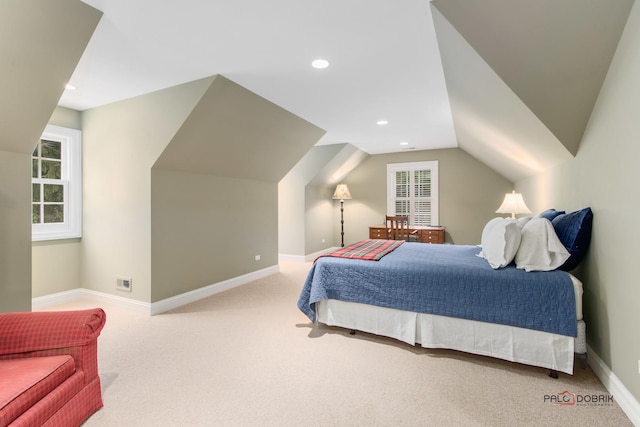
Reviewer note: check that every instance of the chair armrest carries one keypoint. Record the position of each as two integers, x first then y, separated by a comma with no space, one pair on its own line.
30,332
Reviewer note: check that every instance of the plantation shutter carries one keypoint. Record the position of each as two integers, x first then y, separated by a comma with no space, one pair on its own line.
413,192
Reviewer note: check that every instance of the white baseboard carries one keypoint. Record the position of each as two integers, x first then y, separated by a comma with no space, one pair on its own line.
313,256
39,303
46,301
146,308
305,258
289,257
622,396
134,305
197,294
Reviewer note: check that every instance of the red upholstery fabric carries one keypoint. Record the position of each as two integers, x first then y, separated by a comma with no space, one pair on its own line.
23,382
73,333
58,403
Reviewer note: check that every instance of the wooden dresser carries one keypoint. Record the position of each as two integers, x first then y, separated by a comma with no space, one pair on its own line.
425,234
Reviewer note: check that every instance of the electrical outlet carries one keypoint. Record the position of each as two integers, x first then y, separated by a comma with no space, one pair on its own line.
123,283
257,257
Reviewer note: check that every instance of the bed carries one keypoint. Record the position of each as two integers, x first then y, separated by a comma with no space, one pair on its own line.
450,296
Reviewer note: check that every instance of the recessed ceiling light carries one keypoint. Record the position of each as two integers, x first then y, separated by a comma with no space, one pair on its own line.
382,122
69,87
320,63
404,143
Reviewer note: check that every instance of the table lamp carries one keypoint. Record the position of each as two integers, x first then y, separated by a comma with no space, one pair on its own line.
513,203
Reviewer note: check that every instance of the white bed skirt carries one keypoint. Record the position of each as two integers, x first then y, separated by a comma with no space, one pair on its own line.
520,345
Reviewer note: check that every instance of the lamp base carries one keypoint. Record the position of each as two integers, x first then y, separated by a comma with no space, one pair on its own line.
342,223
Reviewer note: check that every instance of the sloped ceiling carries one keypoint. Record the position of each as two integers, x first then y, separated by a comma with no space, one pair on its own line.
492,124
501,79
523,76
235,133
41,43
340,165
383,55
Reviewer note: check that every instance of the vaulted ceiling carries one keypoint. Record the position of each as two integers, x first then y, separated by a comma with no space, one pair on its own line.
523,76
512,82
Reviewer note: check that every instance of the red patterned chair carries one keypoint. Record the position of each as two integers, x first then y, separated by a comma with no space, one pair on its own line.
49,367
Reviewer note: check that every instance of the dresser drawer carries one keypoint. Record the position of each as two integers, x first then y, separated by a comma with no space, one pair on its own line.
425,234
432,236
377,233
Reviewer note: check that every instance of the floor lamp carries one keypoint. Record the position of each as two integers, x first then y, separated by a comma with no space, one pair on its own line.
342,193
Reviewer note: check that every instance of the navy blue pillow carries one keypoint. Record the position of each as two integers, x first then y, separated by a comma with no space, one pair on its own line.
550,214
574,231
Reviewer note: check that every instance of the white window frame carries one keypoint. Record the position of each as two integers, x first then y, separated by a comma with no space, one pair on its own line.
431,165
71,177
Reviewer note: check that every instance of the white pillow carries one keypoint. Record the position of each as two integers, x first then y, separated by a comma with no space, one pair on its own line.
500,241
523,221
540,248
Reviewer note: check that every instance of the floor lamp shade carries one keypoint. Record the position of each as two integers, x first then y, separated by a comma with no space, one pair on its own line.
342,192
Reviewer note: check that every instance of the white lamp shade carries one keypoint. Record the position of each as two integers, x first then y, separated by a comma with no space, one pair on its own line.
513,204
342,192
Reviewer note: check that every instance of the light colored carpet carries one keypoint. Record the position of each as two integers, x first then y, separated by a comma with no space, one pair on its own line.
248,356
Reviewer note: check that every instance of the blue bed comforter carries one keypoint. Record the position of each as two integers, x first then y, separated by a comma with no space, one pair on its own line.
447,280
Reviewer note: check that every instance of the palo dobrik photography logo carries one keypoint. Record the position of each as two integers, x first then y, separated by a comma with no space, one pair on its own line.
567,398
564,398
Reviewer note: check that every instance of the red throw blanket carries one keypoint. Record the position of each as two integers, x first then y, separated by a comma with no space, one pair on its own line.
368,249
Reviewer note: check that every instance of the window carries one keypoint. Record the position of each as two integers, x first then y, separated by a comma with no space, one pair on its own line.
56,182
412,190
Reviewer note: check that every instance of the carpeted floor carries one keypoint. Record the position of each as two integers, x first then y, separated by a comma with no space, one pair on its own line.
249,357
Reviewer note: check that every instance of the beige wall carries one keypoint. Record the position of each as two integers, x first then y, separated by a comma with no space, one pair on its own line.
291,212
319,219
41,43
298,221
235,133
605,176
66,117
15,232
225,161
121,142
191,144
41,59
469,194
206,229
55,264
